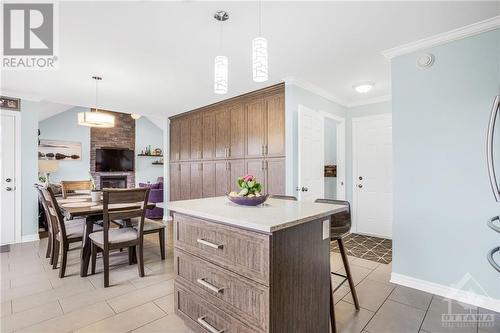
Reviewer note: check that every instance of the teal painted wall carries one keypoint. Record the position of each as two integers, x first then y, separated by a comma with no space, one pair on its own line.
29,167
147,133
442,196
64,126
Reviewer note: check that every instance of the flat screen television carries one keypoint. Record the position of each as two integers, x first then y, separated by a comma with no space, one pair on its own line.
114,160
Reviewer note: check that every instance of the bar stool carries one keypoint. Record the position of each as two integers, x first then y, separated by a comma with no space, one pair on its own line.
340,224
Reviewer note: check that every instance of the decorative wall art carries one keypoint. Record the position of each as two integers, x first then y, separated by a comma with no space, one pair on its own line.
60,150
330,171
9,103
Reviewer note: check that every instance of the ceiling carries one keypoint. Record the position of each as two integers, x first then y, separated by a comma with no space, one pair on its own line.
156,58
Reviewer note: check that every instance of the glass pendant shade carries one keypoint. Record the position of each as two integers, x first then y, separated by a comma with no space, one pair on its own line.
220,74
96,119
259,59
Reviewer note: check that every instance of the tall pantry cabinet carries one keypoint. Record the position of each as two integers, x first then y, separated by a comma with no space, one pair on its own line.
212,146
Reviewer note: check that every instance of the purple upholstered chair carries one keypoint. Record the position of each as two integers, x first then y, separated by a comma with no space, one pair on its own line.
155,195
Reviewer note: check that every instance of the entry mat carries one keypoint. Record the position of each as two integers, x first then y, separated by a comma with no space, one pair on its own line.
366,247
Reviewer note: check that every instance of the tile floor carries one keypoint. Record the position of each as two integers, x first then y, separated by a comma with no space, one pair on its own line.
34,299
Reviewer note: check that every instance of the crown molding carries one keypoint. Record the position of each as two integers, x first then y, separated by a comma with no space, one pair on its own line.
314,89
443,38
373,100
21,95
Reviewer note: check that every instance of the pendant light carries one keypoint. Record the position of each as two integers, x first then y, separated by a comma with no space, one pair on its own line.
259,54
221,62
94,118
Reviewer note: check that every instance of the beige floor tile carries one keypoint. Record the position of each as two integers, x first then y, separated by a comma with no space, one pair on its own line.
28,279
117,275
153,278
358,273
80,300
365,263
382,273
30,317
26,290
166,303
141,296
371,294
394,317
349,320
73,320
5,308
167,324
489,324
412,297
126,321
47,296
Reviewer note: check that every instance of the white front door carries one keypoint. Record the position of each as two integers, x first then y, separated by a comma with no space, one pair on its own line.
8,175
311,155
372,175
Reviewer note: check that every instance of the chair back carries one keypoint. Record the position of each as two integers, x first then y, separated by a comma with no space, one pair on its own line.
340,223
45,207
121,204
283,197
56,217
70,186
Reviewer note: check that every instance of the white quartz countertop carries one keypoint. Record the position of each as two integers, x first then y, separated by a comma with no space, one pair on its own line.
273,215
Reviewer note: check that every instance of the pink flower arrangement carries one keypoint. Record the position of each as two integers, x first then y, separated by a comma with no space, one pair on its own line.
248,178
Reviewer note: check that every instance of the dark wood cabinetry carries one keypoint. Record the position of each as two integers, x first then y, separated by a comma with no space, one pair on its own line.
212,146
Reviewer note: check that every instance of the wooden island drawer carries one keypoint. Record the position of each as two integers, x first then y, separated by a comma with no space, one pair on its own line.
204,317
241,251
236,295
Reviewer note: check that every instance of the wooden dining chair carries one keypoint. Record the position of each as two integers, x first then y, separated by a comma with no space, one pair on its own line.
121,204
63,232
50,241
283,197
70,186
340,224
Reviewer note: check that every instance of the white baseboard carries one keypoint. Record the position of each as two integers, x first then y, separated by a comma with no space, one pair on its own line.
30,238
447,291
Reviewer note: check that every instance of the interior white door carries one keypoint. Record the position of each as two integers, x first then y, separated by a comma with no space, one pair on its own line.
8,178
311,155
372,173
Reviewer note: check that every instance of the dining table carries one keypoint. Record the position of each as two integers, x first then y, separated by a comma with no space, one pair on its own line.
81,206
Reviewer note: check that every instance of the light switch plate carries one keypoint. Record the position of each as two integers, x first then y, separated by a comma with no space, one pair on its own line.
326,229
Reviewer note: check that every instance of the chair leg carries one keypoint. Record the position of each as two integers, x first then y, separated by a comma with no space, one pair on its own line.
65,249
105,259
348,272
49,246
332,310
140,259
94,257
55,254
130,255
161,236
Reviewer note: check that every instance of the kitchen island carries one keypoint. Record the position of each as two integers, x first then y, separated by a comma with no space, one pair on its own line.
252,269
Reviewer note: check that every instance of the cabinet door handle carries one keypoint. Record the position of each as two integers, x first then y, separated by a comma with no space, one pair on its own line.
262,150
229,152
209,286
262,165
210,244
267,165
267,150
209,327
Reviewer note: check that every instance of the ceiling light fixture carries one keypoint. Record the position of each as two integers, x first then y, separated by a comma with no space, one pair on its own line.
94,118
221,62
135,116
259,54
363,87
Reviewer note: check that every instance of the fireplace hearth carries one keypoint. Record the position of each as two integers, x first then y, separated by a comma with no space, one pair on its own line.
113,181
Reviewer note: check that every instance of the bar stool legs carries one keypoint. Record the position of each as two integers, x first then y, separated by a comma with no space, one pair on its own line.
348,272
332,310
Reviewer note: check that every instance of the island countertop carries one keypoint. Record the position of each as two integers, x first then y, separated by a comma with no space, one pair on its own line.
273,215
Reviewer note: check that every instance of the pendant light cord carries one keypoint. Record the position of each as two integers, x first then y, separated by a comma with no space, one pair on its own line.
96,94
260,18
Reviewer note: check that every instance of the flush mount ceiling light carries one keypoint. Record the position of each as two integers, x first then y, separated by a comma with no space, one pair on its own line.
221,62
135,116
363,87
94,118
259,54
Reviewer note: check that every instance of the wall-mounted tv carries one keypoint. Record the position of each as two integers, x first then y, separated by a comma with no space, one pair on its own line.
114,160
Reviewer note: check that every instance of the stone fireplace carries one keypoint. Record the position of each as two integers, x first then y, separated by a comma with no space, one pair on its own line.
121,136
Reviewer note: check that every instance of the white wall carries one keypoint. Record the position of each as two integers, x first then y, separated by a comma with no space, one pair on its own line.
330,157
147,133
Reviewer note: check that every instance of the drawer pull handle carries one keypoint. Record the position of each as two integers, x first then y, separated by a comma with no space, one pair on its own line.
209,286
207,243
209,327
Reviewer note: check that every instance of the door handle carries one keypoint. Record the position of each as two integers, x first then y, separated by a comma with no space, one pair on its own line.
8,180
360,185
301,189
8,188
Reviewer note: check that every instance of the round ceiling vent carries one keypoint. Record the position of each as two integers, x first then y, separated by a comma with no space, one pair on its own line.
425,61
